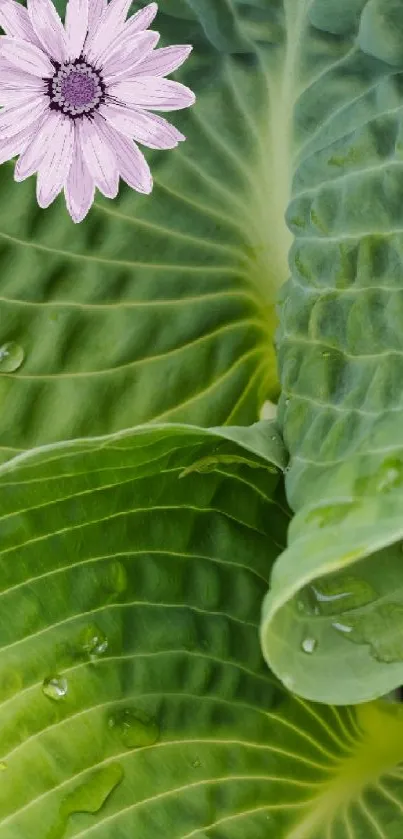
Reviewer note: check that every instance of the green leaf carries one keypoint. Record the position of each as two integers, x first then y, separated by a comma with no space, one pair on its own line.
332,620
162,308
133,696
157,308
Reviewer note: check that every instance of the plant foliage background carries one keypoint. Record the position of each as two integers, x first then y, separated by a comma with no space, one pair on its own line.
142,504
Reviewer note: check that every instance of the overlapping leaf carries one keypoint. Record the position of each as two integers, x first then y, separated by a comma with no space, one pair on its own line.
156,307
133,696
333,620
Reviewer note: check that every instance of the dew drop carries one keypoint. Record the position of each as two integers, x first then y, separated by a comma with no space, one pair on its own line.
3,766
380,629
55,687
340,593
93,641
342,627
11,357
134,728
288,681
309,645
390,475
330,598
89,796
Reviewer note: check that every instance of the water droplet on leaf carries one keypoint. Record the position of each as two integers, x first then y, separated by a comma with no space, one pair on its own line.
288,681
11,357
380,628
88,797
322,597
342,627
134,728
309,645
336,594
390,475
91,795
93,641
55,687
3,766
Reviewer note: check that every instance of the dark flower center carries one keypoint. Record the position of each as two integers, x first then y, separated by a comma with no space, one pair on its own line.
76,88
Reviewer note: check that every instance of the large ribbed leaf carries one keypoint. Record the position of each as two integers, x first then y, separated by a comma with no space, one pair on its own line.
162,307
157,307
333,619
133,697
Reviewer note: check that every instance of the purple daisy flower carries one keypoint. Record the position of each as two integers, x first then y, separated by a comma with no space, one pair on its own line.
77,98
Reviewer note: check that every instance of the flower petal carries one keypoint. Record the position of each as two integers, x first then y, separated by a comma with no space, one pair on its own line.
26,57
16,86
133,167
96,9
48,27
142,19
16,119
35,151
55,165
12,77
163,61
79,188
11,146
124,37
12,96
15,21
148,129
99,157
126,54
109,26
76,24
155,93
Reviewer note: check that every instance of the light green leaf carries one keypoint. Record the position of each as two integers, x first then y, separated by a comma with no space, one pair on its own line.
133,696
156,307
333,617
161,307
